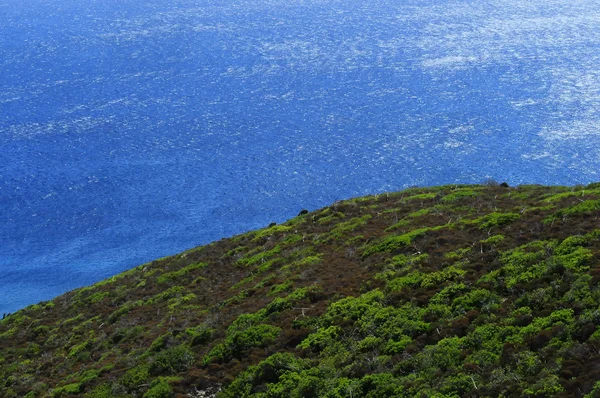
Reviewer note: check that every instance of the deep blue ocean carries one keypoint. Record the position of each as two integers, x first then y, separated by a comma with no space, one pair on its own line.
131,130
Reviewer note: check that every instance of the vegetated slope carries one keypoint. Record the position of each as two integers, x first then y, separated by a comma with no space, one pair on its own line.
451,291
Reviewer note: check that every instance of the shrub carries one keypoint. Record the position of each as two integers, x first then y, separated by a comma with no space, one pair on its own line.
395,242
102,391
170,276
97,297
236,344
458,254
353,308
547,386
444,355
459,194
380,385
497,219
80,348
124,309
584,207
345,227
171,361
74,388
282,287
125,334
162,389
135,377
577,261
259,258
425,280
159,343
493,240
321,338
422,196
200,335
263,233
394,347
477,299
280,373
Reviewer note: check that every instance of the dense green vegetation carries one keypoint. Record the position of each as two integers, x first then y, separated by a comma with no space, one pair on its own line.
453,291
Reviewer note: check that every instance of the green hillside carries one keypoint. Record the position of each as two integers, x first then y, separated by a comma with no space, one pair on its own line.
453,291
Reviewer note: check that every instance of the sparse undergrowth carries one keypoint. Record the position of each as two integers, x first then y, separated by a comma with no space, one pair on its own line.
453,291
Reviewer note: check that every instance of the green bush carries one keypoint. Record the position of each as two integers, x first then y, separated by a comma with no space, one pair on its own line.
97,297
426,280
395,242
442,356
321,338
353,308
584,207
74,388
236,344
265,232
575,259
458,254
493,240
162,389
125,334
135,377
344,228
172,292
259,258
102,391
460,194
124,309
77,349
497,219
280,374
380,385
282,287
159,343
480,299
397,346
200,335
171,361
170,276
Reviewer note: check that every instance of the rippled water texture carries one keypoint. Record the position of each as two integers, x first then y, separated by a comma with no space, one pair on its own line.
130,130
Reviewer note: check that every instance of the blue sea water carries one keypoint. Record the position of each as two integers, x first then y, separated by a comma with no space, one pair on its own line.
130,130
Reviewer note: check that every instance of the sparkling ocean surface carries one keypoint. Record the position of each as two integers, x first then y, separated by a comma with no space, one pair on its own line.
131,130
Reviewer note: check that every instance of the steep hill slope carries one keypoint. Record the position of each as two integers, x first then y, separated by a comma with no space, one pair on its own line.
471,291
